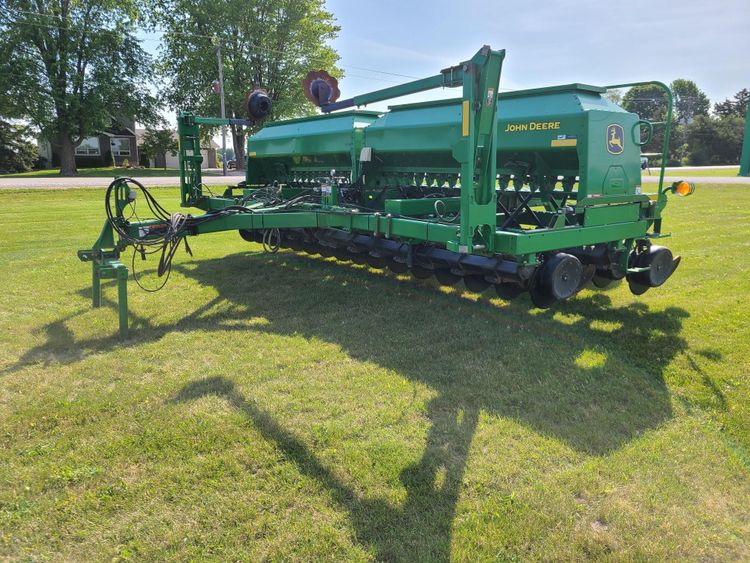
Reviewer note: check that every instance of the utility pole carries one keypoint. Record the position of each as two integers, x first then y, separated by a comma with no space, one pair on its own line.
745,155
223,116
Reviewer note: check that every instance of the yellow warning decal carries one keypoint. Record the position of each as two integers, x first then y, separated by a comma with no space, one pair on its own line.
465,122
564,142
251,153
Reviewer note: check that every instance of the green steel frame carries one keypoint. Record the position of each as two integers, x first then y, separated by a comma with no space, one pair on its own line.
745,158
615,220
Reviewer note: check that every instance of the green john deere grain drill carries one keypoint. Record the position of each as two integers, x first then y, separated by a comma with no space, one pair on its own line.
534,191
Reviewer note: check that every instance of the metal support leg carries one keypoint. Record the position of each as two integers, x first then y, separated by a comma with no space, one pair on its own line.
122,299
96,285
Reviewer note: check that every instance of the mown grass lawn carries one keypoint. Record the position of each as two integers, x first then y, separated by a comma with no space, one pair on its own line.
288,407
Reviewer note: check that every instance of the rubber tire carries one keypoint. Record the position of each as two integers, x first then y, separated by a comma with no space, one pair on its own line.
508,291
446,277
377,262
358,257
296,245
421,273
539,296
342,254
397,267
560,276
310,247
476,283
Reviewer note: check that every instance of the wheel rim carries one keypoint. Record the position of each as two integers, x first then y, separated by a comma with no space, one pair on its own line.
562,276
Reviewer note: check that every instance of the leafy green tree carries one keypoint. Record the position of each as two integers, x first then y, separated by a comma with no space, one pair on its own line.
269,44
71,67
158,142
649,102
736,106
689,100
614,96
713,140
17,154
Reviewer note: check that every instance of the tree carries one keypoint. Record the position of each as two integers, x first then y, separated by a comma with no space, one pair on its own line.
16,153
689,100
736,107
71,67
614,96
649,102
269,44
157,142
713,140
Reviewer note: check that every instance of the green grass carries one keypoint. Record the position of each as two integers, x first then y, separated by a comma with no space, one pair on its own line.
107,172
690,172
287,407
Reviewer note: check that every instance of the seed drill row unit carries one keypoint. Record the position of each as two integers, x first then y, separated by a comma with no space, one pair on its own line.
533,191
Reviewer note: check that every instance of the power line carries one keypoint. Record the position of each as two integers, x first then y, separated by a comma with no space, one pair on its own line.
255,47
213,37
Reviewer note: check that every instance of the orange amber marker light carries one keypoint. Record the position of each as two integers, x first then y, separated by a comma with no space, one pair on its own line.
683,188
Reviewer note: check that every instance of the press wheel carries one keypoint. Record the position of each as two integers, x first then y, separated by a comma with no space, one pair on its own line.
446,277
508,291
476,283
421,273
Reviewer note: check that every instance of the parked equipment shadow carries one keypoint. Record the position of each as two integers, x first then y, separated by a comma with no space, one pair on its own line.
586,373
507,360
365,315
420,530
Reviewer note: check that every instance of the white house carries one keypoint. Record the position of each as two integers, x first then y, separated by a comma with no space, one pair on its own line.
172,161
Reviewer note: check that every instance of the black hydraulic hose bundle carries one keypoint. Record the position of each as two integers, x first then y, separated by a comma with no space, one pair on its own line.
167,240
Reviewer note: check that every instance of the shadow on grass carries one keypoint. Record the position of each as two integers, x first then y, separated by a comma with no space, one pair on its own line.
421,529
586,373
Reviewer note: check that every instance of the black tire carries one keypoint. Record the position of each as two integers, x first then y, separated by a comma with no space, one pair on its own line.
601,282
309,247
476,283
377,262
539,296
358,257
508,291
421,273
446,277
397,267
561,276
342,254
247,235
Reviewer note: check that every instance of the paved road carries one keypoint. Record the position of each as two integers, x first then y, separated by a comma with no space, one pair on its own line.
62,183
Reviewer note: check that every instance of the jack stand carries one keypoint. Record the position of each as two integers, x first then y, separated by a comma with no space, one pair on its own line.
105,264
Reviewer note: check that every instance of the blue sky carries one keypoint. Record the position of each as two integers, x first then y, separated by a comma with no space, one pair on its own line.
547,42
550,42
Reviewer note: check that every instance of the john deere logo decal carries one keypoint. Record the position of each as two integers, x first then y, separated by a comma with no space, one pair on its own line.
615,139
